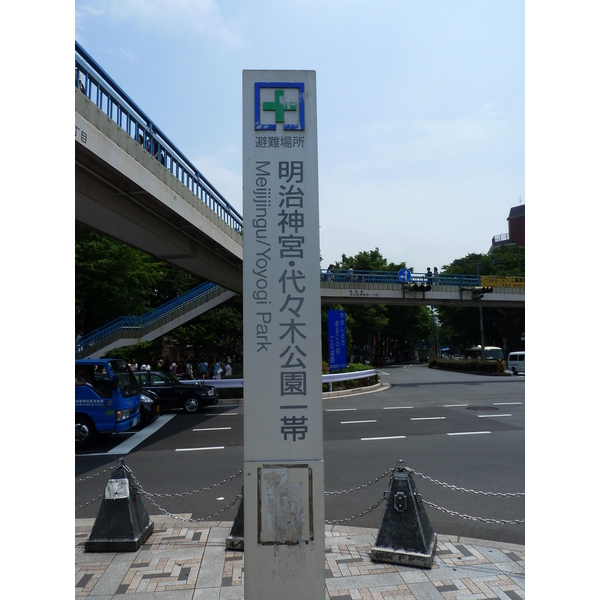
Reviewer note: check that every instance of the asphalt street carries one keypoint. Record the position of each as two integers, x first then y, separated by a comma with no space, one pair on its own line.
462,430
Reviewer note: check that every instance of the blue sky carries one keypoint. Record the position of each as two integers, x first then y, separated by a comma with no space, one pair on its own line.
421,106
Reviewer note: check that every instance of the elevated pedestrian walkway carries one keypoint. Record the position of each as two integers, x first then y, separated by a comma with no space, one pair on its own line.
125,331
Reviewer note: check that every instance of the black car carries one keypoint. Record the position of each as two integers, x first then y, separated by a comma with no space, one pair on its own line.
149,407
174,394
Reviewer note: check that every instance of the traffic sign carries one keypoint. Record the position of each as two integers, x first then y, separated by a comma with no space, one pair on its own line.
404,275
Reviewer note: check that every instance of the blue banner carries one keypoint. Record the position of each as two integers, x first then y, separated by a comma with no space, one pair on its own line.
336,320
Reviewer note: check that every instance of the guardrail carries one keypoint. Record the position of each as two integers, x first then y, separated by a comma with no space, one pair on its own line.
99,87
391,277
447,279
327,378
132,326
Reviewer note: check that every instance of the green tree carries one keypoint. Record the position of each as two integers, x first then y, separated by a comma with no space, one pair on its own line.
218,332
383,329
114,280
502,326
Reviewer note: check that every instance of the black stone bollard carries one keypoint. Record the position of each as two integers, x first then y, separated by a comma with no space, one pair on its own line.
405,536
122,524
235,539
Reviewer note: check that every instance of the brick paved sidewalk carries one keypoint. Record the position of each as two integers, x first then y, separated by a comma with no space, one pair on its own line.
182,561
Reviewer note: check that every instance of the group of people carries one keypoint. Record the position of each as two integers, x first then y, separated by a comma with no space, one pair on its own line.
432,276
216,370
184,368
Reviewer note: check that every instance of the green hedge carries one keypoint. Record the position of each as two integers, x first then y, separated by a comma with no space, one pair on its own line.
351,383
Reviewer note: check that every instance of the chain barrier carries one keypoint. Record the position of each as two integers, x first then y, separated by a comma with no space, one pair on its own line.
469,518
459,489
402,467
97,474
361,487
399,467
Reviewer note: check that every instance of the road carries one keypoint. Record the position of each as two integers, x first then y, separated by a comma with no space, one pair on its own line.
460,429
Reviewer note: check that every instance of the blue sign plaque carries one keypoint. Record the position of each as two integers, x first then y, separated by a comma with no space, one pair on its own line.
336,320
404,275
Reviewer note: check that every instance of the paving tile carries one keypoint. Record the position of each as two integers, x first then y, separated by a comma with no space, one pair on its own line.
190,562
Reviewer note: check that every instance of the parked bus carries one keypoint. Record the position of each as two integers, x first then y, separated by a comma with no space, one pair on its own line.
489,352
107,399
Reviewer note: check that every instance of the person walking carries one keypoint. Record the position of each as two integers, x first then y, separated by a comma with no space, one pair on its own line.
189,369
217,370
202,369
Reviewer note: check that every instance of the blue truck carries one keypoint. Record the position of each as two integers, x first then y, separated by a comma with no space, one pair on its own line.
107,399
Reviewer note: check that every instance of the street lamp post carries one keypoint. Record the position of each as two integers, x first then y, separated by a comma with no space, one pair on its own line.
459,261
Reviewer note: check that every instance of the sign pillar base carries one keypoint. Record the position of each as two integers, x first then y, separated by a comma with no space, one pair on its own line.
283,504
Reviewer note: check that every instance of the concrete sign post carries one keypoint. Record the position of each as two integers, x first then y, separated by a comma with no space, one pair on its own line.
284,517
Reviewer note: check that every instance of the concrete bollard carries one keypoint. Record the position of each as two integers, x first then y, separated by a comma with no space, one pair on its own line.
405,536
235,539
122,524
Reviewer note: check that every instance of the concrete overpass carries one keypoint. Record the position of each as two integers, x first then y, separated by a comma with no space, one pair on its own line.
133,184
122,191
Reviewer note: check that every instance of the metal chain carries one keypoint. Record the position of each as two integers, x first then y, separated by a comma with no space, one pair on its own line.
190,520
182,494
365,512
470,518
150,498
459,489
360,487
400,467
95,474
90,502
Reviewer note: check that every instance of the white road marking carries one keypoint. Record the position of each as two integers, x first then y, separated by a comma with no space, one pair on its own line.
382,373
484,416
453,405
347,422
220,415
339,409
195,449
426,418
506,403
396,407
213,429
469,433
130,443
389,437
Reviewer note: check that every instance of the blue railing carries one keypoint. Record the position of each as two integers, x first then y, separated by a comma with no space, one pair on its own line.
98,86
134,325
354,276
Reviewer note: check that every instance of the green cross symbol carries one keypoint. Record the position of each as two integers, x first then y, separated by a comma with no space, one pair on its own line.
279,106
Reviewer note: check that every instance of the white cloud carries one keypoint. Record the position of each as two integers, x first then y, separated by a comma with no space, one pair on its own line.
462,133
170,18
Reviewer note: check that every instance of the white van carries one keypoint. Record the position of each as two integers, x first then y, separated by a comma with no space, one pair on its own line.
516,362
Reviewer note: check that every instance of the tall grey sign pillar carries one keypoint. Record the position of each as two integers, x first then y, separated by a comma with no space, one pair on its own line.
284,517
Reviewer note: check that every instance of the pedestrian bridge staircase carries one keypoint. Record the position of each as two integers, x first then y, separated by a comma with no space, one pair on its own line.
125,331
